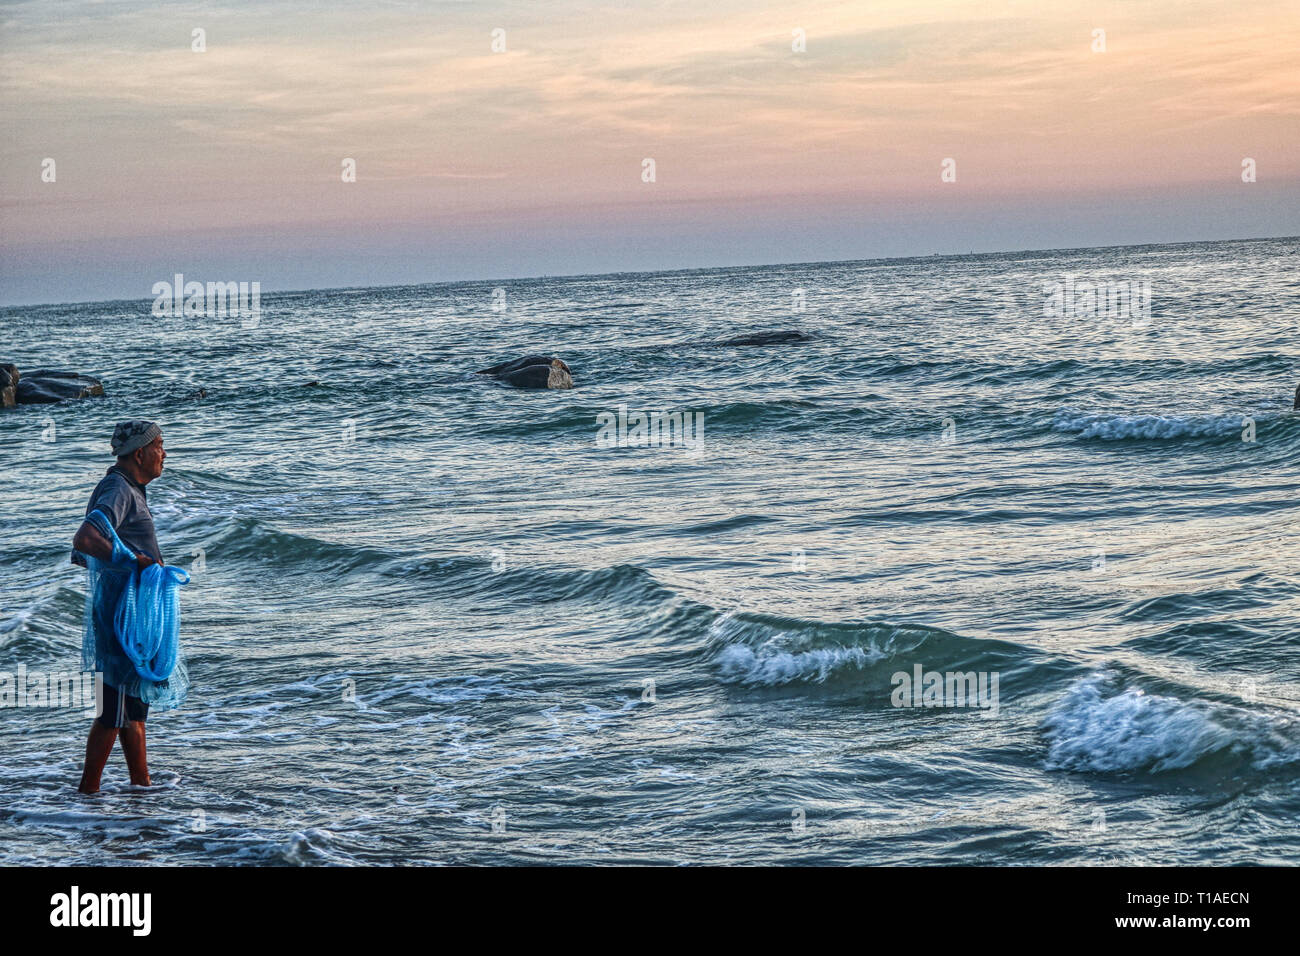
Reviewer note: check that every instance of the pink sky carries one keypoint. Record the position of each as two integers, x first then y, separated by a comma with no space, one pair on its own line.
479,164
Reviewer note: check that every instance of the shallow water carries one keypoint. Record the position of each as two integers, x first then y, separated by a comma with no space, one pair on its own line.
570,653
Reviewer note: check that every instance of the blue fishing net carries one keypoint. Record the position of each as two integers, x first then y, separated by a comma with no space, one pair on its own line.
133,624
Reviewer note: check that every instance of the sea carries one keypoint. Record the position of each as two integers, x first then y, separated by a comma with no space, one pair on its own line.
985,559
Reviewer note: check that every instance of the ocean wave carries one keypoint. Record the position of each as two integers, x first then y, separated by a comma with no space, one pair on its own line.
20,618
1152,427
771,666
45,627
763,653
756,650
252,539
551,573
1103,728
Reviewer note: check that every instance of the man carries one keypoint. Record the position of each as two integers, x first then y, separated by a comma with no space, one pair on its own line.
120,495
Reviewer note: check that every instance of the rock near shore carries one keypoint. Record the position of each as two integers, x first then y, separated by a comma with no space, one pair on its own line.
44,386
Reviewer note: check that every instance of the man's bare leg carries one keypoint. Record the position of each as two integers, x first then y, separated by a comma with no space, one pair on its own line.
133,747
98,746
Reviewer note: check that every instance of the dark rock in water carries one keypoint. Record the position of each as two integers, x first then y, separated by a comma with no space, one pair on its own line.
532,371
44,386
8,386
555,375
783,337
539,376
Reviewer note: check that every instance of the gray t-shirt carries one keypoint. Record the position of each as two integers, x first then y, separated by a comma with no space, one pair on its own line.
123,502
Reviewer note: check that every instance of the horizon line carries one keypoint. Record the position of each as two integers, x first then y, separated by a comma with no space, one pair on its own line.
713,268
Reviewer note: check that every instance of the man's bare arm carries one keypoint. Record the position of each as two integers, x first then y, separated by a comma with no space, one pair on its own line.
89,541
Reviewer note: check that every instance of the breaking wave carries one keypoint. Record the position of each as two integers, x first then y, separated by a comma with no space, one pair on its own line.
1102,728
1151,427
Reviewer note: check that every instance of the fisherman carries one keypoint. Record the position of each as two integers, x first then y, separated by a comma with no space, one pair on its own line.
120,496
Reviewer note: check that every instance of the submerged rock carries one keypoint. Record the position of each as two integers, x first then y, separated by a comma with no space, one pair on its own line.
44,386
532,371
782,337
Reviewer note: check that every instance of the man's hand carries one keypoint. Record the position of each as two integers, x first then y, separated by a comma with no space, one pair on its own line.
143,561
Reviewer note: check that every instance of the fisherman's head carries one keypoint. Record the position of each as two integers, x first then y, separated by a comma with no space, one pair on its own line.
138,446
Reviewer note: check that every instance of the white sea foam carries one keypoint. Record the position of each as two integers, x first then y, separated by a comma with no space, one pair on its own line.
1114,427
771,666
770,657
1097,727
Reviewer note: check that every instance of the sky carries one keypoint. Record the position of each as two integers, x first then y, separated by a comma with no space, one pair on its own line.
529,159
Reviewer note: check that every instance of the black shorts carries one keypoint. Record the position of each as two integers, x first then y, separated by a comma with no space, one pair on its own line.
119,708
